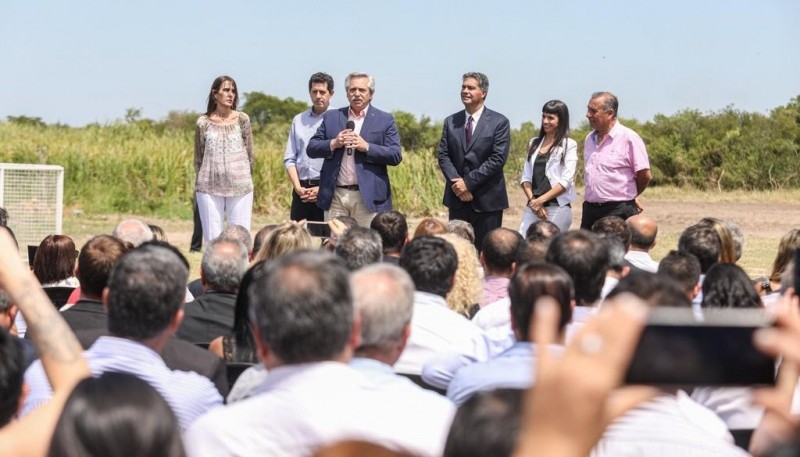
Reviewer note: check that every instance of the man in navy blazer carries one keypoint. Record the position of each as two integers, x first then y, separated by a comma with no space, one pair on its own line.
354,180
472,153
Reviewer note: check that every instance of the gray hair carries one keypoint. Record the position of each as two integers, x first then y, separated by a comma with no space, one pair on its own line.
238,233
302,306
483,80
610,101
383,294
223,269
462,228
133,231
359,74
359,247
737,235
616,252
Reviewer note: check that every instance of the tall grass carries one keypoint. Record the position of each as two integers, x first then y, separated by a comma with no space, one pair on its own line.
133,168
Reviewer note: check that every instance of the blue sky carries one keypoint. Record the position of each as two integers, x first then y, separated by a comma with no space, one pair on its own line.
88,61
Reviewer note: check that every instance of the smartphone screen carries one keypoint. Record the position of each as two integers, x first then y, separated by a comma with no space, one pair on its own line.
677,350
318,229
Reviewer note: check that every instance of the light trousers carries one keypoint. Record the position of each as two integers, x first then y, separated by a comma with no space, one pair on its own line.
214,209
559,215
349,203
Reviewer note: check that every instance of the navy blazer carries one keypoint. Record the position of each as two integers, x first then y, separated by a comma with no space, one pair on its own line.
380,131
480,163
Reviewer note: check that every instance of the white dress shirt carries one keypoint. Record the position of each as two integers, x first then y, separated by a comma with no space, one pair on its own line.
305,406
734,405
435,329
642,261
190,395
669,426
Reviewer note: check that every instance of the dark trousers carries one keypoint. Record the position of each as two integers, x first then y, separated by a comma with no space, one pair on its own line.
302,210
482,223
197,231
592,212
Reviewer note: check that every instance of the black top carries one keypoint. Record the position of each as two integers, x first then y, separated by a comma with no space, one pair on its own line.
541,185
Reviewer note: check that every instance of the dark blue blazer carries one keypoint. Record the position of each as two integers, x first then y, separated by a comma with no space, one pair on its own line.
480,163
380,131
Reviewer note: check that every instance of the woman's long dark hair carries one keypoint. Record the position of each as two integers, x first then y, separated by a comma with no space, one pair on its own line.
116,414
245,344
561,111
728,286
215,86
55,259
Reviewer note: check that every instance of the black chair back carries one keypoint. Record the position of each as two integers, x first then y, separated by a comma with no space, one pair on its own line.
235,370
59,295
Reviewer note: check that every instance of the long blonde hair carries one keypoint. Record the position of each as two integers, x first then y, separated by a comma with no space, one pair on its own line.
467,286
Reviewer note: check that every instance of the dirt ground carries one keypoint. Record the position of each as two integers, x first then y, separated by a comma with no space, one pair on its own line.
763,217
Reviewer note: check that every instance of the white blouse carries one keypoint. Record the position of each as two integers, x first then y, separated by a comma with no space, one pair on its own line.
554,170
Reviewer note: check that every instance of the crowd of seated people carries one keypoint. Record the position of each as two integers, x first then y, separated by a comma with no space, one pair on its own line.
382,340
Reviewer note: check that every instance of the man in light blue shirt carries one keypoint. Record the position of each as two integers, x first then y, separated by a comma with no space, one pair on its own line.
513,368
303,171
143,301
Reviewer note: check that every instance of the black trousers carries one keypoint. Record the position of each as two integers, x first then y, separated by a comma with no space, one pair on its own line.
197,232
592,212
302,210
482,223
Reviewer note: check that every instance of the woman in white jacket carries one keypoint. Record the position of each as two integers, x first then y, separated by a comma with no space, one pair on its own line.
549,173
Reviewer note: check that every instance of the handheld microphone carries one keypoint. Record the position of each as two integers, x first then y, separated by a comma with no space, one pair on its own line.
350,126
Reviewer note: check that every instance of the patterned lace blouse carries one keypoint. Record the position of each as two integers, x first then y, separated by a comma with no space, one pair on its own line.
223,157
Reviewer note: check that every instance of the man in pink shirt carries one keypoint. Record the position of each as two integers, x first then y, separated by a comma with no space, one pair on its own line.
617,167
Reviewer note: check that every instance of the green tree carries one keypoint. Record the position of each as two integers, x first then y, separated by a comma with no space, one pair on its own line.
415,135
266,109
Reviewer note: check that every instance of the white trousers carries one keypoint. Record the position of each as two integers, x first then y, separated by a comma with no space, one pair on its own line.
214,209
559,215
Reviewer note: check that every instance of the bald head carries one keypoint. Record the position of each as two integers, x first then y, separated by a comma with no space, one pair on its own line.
502,249
643,232
133,231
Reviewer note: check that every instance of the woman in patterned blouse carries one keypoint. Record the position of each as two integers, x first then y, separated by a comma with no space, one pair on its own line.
223,161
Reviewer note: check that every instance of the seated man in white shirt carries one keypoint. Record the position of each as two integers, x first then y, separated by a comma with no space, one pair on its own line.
383,296
306,330
643,238
431,262
513,368
143,302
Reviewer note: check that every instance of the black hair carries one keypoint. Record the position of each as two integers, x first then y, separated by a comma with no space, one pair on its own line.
727,286
584,256
393,229
682,267
561,111
533,280
323,78
656,290
116,414
245,343
432,263
486,424
12,368
146,289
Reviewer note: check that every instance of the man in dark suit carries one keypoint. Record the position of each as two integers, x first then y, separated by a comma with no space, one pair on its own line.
211,314
354,180
97,258
472,153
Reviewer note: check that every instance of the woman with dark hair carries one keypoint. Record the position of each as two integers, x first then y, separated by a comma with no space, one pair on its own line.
54,262
239,346
223,161
728,286
549,172
116,414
